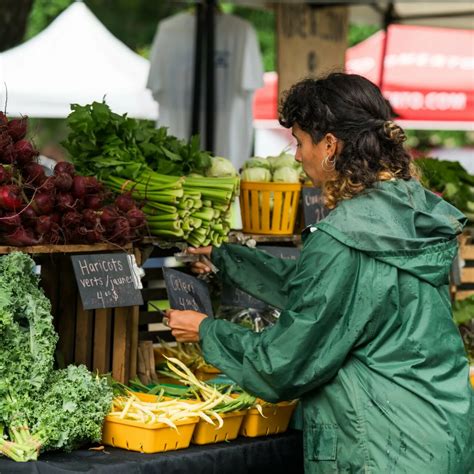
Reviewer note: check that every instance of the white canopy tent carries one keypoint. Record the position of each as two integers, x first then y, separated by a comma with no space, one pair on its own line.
75,60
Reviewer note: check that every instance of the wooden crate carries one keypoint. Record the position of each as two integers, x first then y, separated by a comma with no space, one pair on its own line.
465,284
105,340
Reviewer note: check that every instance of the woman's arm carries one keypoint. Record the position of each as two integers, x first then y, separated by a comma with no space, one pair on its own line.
263,276
331,303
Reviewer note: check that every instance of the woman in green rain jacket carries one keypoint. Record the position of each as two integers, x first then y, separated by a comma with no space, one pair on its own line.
365,338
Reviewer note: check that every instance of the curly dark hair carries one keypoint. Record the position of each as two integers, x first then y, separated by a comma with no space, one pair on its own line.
354,110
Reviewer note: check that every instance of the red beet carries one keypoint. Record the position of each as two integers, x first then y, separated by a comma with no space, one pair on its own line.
8,155
24,152
94,236
89,218
55,217
136,218
65,202
10,220
79,188
120,230
34,173
109,216
94,201
43,203
28,215
43,225
17,128
64,167
5,140
125,202
71,219
48,185
21,237
10,197
63,181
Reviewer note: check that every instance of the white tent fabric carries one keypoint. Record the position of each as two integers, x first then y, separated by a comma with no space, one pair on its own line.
75,60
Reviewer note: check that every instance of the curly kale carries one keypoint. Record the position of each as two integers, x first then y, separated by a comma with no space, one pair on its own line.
40,408
27,334
72,410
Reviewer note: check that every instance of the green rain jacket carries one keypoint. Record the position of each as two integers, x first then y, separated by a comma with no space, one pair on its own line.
365,338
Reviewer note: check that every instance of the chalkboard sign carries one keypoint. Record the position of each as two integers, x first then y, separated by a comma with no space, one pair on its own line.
313,205
286,253
187,292
106,280
232,296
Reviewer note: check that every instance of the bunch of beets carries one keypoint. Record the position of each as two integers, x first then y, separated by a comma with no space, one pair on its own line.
64,208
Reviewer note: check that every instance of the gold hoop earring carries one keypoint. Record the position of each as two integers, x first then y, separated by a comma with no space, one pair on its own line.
328,164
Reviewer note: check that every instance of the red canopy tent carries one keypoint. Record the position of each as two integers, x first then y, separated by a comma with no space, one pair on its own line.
428,75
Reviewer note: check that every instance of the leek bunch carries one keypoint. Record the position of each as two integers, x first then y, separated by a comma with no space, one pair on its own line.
193,209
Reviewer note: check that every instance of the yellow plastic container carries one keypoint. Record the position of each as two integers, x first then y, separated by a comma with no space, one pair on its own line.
147,438
269,208
205,433
276,420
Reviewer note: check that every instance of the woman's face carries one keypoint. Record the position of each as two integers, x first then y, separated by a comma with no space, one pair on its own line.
312,155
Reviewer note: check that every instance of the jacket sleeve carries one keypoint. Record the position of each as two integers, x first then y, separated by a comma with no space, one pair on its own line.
330,306
262,275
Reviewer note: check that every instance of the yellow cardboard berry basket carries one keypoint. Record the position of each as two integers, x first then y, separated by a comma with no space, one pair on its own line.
147,438
275,419
269,208
205,433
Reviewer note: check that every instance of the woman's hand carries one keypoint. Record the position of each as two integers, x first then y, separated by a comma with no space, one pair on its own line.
200,267
184,324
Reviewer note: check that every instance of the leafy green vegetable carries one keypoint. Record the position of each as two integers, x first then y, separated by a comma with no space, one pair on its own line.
27,334
77,403
463,310
102,143
256,174
64,408
221,168
449,179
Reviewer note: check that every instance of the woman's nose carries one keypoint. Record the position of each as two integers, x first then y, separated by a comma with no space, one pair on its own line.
298,157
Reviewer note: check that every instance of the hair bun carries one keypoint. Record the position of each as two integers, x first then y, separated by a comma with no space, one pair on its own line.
394,132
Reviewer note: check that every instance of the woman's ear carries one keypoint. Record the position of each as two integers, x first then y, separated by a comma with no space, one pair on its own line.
331,143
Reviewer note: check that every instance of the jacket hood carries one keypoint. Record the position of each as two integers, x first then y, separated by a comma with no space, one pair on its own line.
402,224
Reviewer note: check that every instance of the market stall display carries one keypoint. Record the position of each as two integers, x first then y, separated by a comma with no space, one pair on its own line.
64,208
187,193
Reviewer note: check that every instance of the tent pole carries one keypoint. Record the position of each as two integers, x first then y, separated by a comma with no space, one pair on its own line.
197,82
210,74
388,19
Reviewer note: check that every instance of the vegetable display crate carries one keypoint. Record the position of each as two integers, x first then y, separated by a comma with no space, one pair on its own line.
275,419
147,438
205,433
463,281
105,340
269,208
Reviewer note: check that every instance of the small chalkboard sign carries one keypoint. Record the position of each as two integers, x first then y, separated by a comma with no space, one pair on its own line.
232,296
313,205
106,280
187,292
286,253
